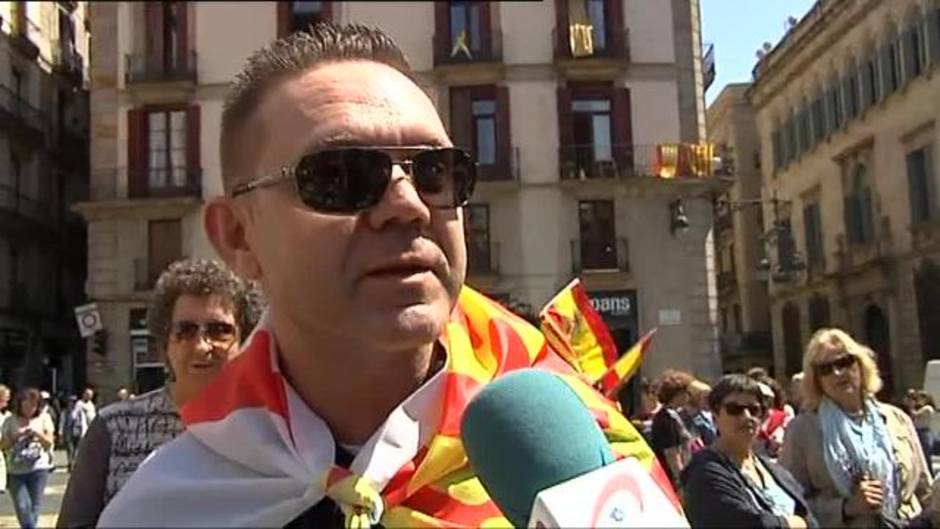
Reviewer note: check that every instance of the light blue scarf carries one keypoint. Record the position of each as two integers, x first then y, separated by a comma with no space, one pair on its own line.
852,450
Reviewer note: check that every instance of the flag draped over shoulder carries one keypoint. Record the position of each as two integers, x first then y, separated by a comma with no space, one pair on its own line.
249,456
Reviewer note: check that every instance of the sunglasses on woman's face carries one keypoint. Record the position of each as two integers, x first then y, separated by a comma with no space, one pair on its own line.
346,181
841,364
735,409
217,333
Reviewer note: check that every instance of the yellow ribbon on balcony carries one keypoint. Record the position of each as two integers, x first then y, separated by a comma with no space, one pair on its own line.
460,45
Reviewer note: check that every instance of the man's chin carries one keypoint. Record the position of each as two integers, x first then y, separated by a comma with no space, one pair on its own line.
417,324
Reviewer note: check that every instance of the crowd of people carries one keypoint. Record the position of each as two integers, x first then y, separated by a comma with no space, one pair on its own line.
743,453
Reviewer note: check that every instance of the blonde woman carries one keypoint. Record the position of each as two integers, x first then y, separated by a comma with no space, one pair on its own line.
858,459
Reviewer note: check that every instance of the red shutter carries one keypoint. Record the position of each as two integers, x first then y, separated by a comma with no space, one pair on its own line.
182,17
616,36
486,29
136,153
623,128
283,18
153,13
503,130
565,129
193,164
561,29
441,30
461,120
326,10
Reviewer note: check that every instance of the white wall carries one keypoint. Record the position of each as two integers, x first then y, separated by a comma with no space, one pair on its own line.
650,25
410,24
227,33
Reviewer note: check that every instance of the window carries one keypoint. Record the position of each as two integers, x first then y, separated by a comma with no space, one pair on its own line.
777,148
166,30
466,33
789,141
812,227
479,122
915,56
598,235
890,66
484,127
819,120
17,83
66,32
818,312
806,140
166,149
592,129
858,207
595,11
835,107
921,187
477,220
850,93
295,16
463,33
736,310
164,242
870,88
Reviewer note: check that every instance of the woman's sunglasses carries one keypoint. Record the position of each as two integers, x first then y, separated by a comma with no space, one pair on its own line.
841,363
217,333
346,181
735,409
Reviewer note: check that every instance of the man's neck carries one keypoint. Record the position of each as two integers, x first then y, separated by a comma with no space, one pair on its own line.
351,388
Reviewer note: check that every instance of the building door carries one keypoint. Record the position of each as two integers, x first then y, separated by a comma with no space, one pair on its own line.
927,287
792,339
878,339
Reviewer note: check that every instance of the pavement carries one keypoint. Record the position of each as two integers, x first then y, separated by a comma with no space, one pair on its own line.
55,490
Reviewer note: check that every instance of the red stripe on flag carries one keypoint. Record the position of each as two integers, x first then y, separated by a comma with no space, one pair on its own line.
597,325
458,390
442,505
245,382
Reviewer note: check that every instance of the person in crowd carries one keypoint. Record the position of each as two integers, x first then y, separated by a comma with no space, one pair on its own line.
770,437
27,439
344,197
4,415
922,412
858,459
83,413
728,484
697,417
199,314
649,406
123,394
671,440
796,392
67,431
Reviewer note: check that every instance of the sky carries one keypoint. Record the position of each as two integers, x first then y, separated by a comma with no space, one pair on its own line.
738,28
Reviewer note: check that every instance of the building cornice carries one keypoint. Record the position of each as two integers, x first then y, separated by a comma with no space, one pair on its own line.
149,208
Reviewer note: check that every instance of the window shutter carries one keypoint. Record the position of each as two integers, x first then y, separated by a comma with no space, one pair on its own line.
442,29
615,29
623,129
866,215
503,130
850,94
193,144
885,59
808,239
561,29
136,153
775,141
181,10
930,184
565,128
153,14
933,36
909,52
865,84
486,29
850,213
916,190
461,118
283,18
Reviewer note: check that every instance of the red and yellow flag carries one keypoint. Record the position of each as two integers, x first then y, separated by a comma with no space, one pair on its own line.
576,331
625,367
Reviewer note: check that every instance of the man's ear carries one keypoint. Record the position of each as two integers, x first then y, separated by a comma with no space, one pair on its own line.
226,225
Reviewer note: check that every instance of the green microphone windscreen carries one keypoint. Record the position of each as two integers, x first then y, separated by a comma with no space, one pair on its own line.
525,432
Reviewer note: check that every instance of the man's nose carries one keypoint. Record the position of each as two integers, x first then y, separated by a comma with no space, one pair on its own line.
401,203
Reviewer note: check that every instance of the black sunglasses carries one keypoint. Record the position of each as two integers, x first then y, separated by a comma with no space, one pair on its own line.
841,363
217,333
345,181
735,409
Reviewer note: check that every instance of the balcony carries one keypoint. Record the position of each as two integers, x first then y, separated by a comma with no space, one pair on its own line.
506,168
624,161
445,53
616,47
141,68
68,63
18,207
166,183
21,119
19,29
596,256
483,261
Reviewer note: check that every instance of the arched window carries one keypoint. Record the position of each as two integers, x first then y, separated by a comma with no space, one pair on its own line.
818,312
927,291
859,222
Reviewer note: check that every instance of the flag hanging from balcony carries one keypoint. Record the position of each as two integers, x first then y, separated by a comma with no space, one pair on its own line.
687,160
625,367
577,332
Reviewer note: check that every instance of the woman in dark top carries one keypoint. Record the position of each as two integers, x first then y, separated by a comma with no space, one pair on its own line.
670,439
727,484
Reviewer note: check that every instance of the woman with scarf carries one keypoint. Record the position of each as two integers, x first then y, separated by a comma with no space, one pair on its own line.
859,459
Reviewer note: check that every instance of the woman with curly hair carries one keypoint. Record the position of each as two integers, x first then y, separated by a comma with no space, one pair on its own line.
670,439
858,458
199,315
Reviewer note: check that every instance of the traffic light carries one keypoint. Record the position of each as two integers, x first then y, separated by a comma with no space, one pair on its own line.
100,342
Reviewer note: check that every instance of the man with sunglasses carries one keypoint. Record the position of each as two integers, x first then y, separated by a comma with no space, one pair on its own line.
343,198
199,314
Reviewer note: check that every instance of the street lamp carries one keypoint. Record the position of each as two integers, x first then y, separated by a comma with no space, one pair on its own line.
677,217
790,263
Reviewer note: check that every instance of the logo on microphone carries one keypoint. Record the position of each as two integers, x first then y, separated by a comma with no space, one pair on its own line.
620,495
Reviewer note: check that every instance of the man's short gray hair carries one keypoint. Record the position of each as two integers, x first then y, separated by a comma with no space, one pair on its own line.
288,56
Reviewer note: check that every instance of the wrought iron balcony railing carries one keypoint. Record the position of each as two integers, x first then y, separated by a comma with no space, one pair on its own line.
447,51
665,160
616,45
165,182
590,255
505,168
146,68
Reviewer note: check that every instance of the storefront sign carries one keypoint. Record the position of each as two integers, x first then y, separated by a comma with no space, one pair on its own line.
614,304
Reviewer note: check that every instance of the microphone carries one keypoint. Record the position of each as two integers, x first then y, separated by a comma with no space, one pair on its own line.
545,462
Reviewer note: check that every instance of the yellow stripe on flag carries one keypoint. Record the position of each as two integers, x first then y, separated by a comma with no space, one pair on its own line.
625,366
